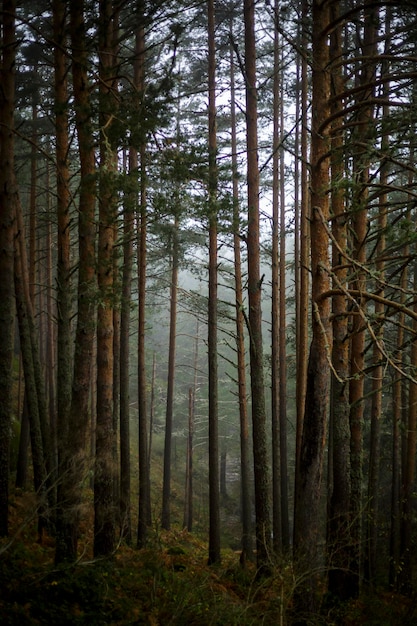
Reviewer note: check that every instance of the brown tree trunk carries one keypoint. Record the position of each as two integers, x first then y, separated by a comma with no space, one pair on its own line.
409,468
104,472
283,342
307,523
189,509
360,229
302,278
260,454
7,230
128,230
31,363
166,490
65,543
72,438
372,517
214,496
338,540
275,307
240,337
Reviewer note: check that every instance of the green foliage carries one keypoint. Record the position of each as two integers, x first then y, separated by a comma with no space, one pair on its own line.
169,582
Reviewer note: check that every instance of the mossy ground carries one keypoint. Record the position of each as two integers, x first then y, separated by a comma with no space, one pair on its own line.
168,583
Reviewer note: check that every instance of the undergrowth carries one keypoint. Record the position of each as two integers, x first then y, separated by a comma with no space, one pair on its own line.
167,584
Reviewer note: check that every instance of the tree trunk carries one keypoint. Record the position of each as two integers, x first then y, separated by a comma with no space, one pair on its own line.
302,277
214,495
64,543
360,230
30,360
7,230
338,539
372,512
166,490
260,455
104,472
275,306
307,525
72,437
128,230
246,499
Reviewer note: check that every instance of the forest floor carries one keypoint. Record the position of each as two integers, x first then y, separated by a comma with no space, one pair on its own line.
168,583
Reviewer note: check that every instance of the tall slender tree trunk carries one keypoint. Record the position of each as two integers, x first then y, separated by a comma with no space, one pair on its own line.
214,495
104,471
302,278
7,230
72,439
283,447
166,488
407,567
31,362
191,428
360,229
338,538
128,231
260,454
397,414
372,517
240,336
275,305
65,543
306,526
144,513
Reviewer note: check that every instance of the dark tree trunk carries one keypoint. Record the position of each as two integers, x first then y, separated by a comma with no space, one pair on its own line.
246,498
128,231
307,524
260,454
166,491
7,230
104,471
338,538
214,494
65,542
72,436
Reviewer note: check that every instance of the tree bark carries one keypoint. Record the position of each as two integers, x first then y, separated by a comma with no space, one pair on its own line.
128,230
260,454
307,526
363,138
65,543
7,228
104,471
302,278
338,536
246,552
72,437
214,495
166,488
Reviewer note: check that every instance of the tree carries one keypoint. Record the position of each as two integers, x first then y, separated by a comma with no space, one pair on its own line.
338,535
214,496
72,440
144,459
104,520
66,542
128,229
166,493
361,171
240,330
7,229
306,525
260,456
